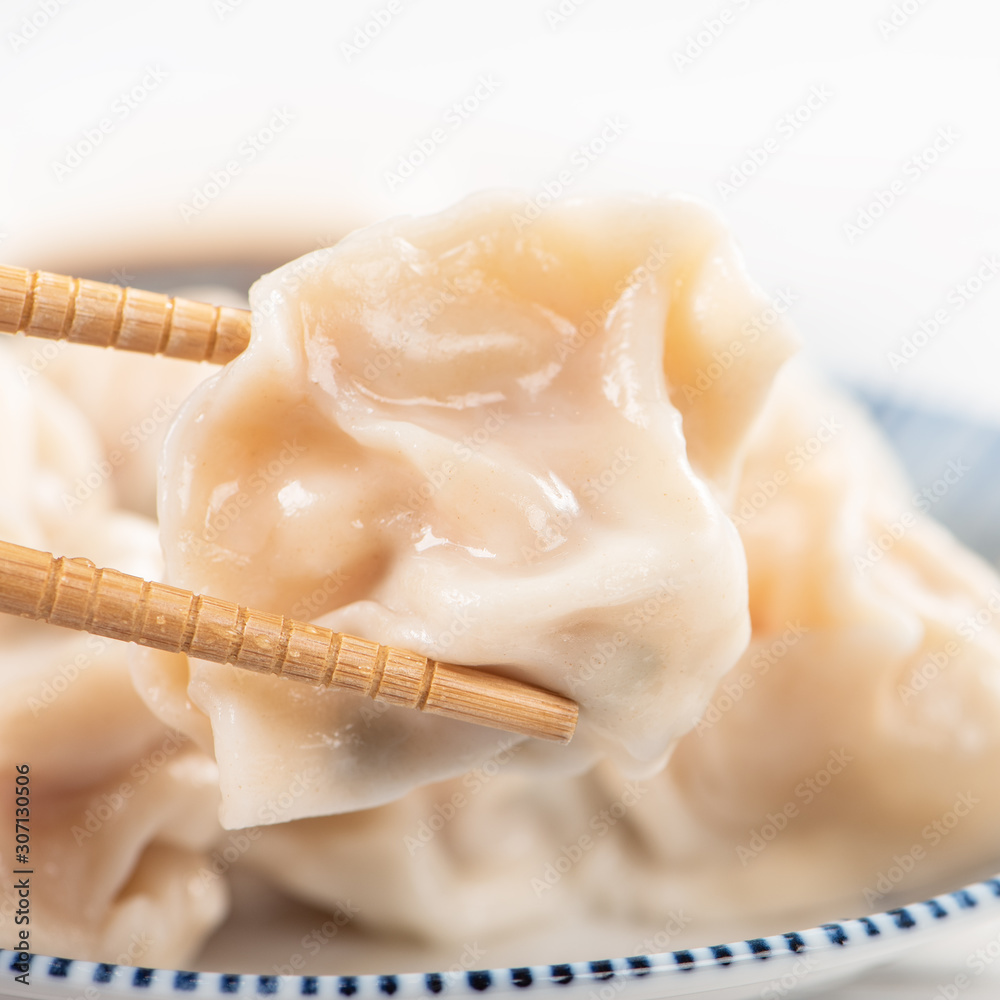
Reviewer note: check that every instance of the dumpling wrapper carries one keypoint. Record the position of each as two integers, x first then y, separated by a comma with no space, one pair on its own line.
129,399
478,440
847,763
123,812
851,759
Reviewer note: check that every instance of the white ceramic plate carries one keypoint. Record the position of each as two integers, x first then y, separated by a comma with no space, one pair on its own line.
769,968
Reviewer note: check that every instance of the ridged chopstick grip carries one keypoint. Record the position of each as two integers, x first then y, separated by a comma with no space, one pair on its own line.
91,312
76,594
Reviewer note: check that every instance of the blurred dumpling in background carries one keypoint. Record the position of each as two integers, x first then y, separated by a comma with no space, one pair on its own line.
123,809
851,759
130,401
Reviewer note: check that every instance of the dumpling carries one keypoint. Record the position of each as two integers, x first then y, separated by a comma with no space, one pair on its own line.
846,763
454,861
852,757
128,399
558,449
469,435
123,810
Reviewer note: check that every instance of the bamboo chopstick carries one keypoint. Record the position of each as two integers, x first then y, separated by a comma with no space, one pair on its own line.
57,307
75,594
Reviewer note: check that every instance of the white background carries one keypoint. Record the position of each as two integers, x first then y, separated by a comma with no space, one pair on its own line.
230,64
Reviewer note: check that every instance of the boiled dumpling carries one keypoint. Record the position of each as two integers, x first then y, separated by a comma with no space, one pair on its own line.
471,438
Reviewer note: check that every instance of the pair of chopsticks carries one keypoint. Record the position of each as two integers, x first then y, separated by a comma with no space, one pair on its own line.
76,594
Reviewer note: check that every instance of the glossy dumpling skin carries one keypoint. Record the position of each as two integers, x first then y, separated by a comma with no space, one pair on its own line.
478,439
849,762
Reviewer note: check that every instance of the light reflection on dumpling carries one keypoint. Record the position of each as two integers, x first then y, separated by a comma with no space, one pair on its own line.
554,448
479,429
860,727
